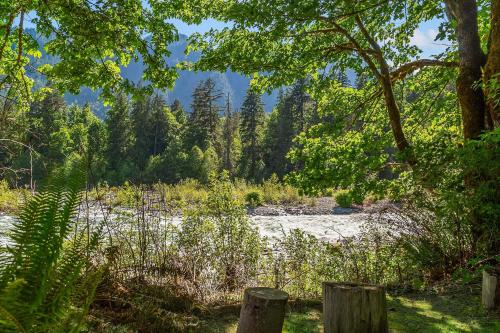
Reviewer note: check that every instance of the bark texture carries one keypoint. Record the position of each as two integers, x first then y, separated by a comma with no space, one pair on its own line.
262,311
472,59
492,68
354,308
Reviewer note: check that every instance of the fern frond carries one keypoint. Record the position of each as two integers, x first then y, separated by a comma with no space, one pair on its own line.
49,271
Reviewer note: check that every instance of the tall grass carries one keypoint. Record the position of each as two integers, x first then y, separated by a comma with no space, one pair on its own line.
191,192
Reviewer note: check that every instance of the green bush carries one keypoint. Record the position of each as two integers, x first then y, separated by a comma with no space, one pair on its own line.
357,198
254,199
343,198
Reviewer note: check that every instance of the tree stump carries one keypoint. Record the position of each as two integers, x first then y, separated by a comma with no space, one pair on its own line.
491,288
354,308
262,311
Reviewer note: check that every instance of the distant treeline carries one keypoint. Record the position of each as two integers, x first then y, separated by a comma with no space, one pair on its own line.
147,140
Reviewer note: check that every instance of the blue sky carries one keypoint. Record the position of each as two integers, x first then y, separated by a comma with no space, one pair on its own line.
205,26
423,37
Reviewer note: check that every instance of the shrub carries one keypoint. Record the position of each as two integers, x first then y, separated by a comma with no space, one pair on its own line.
343,198
328,192
126,195
271,189
357,197
9,199
254,199
217,243
279,193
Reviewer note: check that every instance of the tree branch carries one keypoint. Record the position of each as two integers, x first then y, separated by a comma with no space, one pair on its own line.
359,49
7,34
412,66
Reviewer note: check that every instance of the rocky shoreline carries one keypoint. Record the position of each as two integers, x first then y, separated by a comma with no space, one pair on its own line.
320,206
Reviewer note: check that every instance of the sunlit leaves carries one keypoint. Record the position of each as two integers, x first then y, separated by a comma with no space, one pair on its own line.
92,40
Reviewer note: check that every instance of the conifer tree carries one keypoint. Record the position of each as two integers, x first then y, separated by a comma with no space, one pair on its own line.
251,128
279,135
298,99
361,80
294,113
179,112
341,77
204,120
140,120
159,126
230,137
46,132
119,131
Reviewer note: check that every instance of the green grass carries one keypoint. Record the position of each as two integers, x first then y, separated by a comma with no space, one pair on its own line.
410,313
450,313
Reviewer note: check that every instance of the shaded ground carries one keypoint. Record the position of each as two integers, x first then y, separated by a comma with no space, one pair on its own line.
409,313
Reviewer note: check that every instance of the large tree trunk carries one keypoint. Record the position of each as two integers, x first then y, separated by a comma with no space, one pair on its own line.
472,59
493,66
470,94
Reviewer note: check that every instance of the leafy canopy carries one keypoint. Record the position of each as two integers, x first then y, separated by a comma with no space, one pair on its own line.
91,40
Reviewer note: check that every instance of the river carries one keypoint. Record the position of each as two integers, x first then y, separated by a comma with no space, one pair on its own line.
329,228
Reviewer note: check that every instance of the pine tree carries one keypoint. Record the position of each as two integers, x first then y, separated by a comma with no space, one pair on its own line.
119,131
203,128
47,132
361,80
251,128
140,122
179,112
13,133
279,135
298,101
158,126
230,135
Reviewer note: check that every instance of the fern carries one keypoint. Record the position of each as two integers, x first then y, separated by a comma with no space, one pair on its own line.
41,272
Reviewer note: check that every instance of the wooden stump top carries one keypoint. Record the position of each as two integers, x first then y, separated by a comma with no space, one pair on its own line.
267,293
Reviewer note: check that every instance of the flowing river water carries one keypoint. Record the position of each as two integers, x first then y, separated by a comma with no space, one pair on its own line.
329,228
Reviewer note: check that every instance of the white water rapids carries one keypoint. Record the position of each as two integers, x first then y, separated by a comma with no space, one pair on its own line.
329,228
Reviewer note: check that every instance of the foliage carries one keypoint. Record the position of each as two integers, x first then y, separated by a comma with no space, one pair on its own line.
91,42
217,240
41,273
275,192
343,198
10,200
254,199
437,226
252,122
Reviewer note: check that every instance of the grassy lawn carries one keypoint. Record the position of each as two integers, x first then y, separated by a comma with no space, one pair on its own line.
408,313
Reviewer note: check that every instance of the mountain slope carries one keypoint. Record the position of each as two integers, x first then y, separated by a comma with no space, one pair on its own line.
228,82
